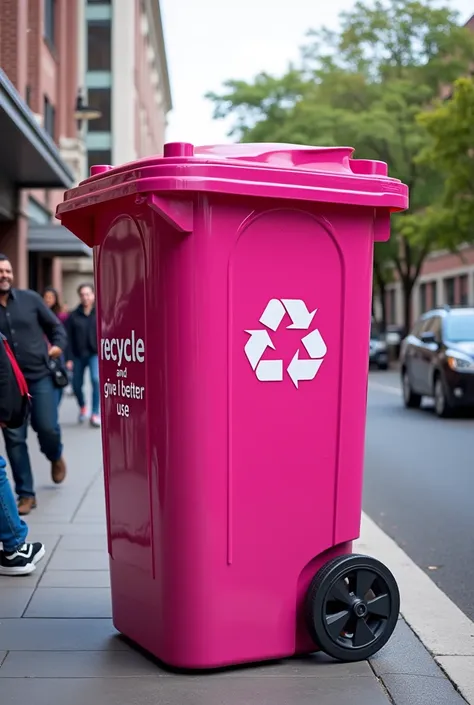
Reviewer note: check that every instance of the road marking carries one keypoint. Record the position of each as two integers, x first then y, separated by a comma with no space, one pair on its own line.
440,625
385,388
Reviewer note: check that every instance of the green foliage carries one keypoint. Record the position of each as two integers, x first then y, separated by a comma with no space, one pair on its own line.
365,86
451,153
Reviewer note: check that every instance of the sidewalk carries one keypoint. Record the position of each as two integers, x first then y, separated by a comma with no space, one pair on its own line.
58,644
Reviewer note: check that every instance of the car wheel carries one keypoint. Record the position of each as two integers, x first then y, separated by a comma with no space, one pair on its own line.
442,406
383,366
410,399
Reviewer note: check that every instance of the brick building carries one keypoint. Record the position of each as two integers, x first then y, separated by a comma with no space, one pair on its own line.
114,51
40,152
123,60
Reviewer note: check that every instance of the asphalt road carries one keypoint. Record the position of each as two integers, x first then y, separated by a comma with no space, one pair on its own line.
419,486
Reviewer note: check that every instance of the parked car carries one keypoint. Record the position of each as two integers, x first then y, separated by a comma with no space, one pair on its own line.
378,350
437,360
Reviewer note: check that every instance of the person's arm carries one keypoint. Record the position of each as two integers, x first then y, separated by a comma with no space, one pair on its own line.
68,352
52,327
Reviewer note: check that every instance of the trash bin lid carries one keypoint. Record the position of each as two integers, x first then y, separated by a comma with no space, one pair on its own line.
283,171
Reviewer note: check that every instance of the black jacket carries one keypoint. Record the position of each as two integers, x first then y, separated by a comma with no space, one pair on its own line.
14,403
82,334
26,322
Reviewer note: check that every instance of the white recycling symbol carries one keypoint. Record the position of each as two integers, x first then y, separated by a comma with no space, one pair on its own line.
301,319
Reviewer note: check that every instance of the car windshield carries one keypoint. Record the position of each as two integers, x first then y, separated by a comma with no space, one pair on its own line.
460,328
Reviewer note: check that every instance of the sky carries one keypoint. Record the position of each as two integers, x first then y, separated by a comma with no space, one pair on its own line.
210,41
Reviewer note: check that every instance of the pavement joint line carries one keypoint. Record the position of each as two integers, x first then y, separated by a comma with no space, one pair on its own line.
381,682
84,495
444,630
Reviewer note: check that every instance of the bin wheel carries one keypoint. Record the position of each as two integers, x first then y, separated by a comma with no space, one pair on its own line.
352,607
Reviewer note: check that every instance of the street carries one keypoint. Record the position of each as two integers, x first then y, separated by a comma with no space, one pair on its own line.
419,485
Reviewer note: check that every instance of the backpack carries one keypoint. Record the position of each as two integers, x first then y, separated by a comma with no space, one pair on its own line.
14,397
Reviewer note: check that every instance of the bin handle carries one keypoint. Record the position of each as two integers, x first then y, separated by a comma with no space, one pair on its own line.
284,155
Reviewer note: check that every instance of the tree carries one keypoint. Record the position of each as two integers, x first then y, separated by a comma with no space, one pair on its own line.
451,152
365,85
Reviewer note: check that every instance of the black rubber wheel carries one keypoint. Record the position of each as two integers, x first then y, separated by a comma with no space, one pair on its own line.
410,399
352,607
442,406
383,366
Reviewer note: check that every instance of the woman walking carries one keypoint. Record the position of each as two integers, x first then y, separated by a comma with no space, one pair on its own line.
53,302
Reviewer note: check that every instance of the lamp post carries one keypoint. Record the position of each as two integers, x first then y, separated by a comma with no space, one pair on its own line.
84,113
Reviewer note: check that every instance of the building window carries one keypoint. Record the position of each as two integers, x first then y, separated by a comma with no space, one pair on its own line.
49,21
434,295
28,96
100,99
96,156
449,291
99,44
423,298
98,2
49,117
464,290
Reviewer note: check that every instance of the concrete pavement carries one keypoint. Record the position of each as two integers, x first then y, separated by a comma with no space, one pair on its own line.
58,644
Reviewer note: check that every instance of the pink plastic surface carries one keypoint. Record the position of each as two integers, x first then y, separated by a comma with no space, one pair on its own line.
226,491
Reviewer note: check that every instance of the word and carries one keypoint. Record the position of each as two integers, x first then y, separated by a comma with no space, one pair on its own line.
123,349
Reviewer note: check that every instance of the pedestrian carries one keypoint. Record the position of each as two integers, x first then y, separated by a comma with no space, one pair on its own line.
52,301
17,557
82,352
25,321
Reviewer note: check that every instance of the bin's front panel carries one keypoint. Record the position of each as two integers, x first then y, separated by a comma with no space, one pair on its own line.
122,353
285,328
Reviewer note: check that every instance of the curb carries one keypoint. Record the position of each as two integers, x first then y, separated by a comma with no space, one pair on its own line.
445,631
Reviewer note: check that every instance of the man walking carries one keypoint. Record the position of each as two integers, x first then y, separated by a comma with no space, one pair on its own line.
82,352
25,321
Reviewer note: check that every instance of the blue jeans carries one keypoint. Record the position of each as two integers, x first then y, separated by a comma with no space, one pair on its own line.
80,366
44,420
13,530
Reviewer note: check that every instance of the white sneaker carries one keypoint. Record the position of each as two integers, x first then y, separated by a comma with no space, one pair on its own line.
22,561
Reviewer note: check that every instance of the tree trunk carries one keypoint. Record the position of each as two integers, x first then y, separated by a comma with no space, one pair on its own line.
383,303
407,290
381,291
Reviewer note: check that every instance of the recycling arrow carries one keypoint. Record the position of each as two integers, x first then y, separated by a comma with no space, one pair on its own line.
314,344
256,345
301,318
303,370
270,371
273,314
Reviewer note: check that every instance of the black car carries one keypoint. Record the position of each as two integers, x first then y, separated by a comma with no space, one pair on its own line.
437,360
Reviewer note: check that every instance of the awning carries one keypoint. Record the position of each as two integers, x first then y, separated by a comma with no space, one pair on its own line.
28,156
55,240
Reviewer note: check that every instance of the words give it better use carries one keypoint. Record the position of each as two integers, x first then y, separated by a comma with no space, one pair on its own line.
122,351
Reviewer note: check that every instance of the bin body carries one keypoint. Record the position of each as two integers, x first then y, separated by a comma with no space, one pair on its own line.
234,322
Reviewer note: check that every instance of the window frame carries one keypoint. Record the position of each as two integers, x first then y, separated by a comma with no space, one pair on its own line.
49,22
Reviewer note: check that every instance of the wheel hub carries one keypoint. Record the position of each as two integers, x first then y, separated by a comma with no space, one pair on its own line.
360,609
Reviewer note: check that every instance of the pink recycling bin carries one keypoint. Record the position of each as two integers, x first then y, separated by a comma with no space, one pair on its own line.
234,305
